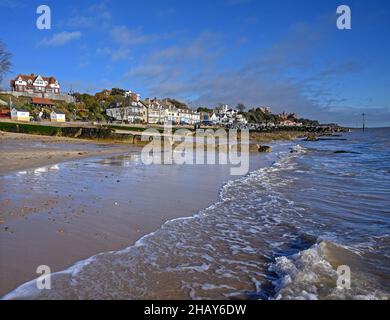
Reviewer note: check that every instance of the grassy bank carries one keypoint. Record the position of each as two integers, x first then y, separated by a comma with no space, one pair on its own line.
30,129
70,132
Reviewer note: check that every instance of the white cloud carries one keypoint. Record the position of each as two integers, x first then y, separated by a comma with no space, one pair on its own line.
116,54
97,15
125,36
60,39
147,71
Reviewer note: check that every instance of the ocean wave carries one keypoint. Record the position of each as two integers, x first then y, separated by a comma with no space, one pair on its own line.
312,274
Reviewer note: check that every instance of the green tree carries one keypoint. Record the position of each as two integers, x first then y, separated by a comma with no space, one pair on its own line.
204,109
117,92
241,107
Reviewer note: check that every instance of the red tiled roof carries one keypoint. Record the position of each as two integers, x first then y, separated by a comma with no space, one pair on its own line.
42,101
50,80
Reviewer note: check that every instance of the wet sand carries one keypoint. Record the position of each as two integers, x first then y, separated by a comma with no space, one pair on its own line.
24,151
59,214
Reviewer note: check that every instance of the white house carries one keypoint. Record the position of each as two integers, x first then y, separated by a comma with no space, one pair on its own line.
214,118
20,115
195,117
134,96
188,116
171,116
35,84
133,113
223,109
241,119
57,117
155,114
288,123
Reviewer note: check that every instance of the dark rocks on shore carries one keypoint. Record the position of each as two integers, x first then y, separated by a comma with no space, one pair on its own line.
259,148
265,149
311,137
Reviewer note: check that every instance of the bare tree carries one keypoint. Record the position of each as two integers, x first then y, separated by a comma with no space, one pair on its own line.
5,61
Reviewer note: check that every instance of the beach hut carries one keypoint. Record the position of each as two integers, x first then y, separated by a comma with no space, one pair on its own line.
5,114
57,117
20,115
4,110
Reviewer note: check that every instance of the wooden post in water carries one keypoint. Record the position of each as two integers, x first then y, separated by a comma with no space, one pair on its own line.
364,124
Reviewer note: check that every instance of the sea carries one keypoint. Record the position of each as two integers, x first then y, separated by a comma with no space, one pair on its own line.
313,224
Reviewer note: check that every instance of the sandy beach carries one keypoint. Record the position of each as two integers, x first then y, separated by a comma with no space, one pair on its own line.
64,200
25,151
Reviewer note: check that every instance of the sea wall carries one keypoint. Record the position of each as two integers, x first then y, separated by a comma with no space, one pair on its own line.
61,97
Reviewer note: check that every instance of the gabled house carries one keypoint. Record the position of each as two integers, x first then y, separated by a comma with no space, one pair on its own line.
214,118
35,84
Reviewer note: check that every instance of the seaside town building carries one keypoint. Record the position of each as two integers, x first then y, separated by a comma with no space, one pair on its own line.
215,118
241,119
35,84
289,123
131,114
106,93
265,109
161,111
133,96
42,103
153,111
225,115
38,86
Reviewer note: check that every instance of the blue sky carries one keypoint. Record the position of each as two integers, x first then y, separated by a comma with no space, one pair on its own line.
285,54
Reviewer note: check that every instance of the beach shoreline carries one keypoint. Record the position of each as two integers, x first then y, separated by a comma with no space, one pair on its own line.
110,227
54,216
